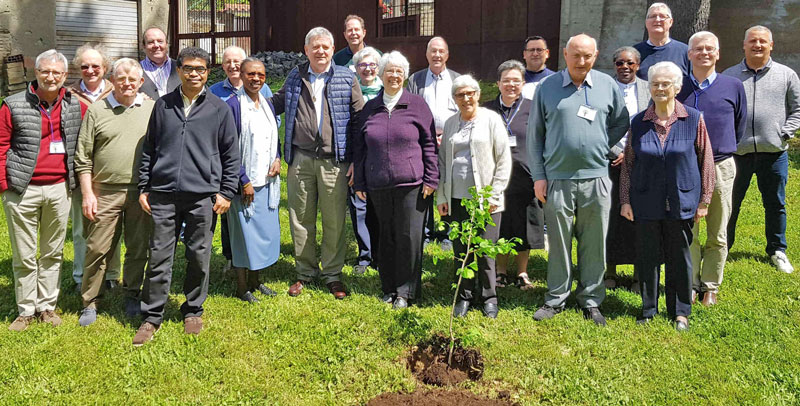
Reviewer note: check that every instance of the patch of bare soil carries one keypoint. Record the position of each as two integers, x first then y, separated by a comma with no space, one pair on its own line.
439,397
428,362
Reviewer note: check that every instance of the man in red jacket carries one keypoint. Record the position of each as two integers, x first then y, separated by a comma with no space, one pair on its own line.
38,133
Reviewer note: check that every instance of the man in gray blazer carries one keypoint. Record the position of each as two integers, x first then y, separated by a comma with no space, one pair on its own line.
160,71
434,84
621,233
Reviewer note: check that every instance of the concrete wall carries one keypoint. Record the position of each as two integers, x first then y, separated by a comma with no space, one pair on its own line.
153,13
26,27
730,18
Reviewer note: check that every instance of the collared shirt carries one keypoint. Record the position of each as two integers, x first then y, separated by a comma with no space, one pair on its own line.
629,92
187,104
317,81
93,96
136,101
437,94
665,43
566,79
706,83
158,74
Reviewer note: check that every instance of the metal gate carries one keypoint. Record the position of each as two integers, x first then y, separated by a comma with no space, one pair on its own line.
210,24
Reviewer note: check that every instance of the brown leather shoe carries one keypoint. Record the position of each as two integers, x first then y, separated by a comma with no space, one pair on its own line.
709,299
50,317
192,325
145,333
297,288
21,323
337,289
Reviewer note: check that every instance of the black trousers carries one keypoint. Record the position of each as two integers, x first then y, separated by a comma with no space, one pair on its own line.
169,211
485,280
401,217
365,227
675,237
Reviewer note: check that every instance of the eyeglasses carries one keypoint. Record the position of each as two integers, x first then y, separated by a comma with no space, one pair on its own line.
255,75
199,69
92,67
661,85
398,72
658,17
365,65
510,82
535,50
56,74
465,95
629,63
708,48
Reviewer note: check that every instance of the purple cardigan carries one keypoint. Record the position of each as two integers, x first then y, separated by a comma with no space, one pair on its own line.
395,149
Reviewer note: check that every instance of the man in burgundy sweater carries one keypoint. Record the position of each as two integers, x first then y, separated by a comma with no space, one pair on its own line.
38,133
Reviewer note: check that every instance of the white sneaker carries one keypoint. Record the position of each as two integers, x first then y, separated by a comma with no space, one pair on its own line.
781,262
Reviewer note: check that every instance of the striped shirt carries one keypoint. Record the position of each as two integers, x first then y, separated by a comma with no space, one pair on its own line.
158,74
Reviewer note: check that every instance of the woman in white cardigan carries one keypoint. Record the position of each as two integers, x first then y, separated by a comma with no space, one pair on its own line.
474,152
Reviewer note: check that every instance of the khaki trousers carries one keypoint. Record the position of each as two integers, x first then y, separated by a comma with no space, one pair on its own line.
708,276
79,243
312,183
115,207
42,210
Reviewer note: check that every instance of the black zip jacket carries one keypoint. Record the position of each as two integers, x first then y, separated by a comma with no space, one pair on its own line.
196,154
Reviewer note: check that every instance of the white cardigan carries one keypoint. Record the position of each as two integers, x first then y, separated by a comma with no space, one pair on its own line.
491,156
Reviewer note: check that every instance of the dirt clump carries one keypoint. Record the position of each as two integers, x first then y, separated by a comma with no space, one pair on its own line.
437,397
428,362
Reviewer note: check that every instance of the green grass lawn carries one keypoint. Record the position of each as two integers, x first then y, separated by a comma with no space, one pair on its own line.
313,350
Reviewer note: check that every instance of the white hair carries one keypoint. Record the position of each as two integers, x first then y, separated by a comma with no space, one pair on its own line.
394,58
569,41
234,48
656,6
126,64
318,32
758,28
51,55
367,51
465,81
435,39
700,35
672,71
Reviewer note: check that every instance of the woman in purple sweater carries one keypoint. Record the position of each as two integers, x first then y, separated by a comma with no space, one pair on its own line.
395,166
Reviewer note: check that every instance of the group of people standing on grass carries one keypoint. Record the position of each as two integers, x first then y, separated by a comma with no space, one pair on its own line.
627,165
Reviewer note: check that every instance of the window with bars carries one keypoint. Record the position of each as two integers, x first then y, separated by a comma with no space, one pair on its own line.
405,18
213,25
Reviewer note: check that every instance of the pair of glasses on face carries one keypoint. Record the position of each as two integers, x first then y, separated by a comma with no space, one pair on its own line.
661,85
188,69
56,74
92,67
365,66
535,50
620,63
510,82
465,95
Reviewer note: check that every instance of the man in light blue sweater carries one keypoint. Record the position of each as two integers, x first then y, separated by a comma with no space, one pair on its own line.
768,85
577,115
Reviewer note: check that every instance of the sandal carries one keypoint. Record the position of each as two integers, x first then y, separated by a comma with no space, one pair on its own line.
524,282
502,280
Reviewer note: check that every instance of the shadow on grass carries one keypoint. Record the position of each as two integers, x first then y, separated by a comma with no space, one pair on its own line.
737,255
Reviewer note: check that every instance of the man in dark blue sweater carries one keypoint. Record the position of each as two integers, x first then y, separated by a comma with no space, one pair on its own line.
659,46
722,101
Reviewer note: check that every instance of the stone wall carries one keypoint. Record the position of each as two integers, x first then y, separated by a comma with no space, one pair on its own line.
26,27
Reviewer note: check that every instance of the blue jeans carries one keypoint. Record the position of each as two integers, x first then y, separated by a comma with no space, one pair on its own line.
772,171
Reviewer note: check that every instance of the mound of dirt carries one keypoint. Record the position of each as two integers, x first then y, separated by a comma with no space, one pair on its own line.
428,362
437,398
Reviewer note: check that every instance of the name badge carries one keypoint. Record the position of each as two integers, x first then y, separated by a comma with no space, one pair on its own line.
57,147
512,141
587,112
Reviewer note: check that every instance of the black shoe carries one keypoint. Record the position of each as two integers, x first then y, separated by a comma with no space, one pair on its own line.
359,269
400,303
461,309
249,298
266,291
594,314
111,284
643,320
388,298
546,312
490,310
133,307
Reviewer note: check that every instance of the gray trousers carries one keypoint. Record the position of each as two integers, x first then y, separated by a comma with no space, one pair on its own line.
169,211
577,208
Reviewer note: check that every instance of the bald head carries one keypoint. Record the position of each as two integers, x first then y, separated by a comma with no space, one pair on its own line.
582,40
